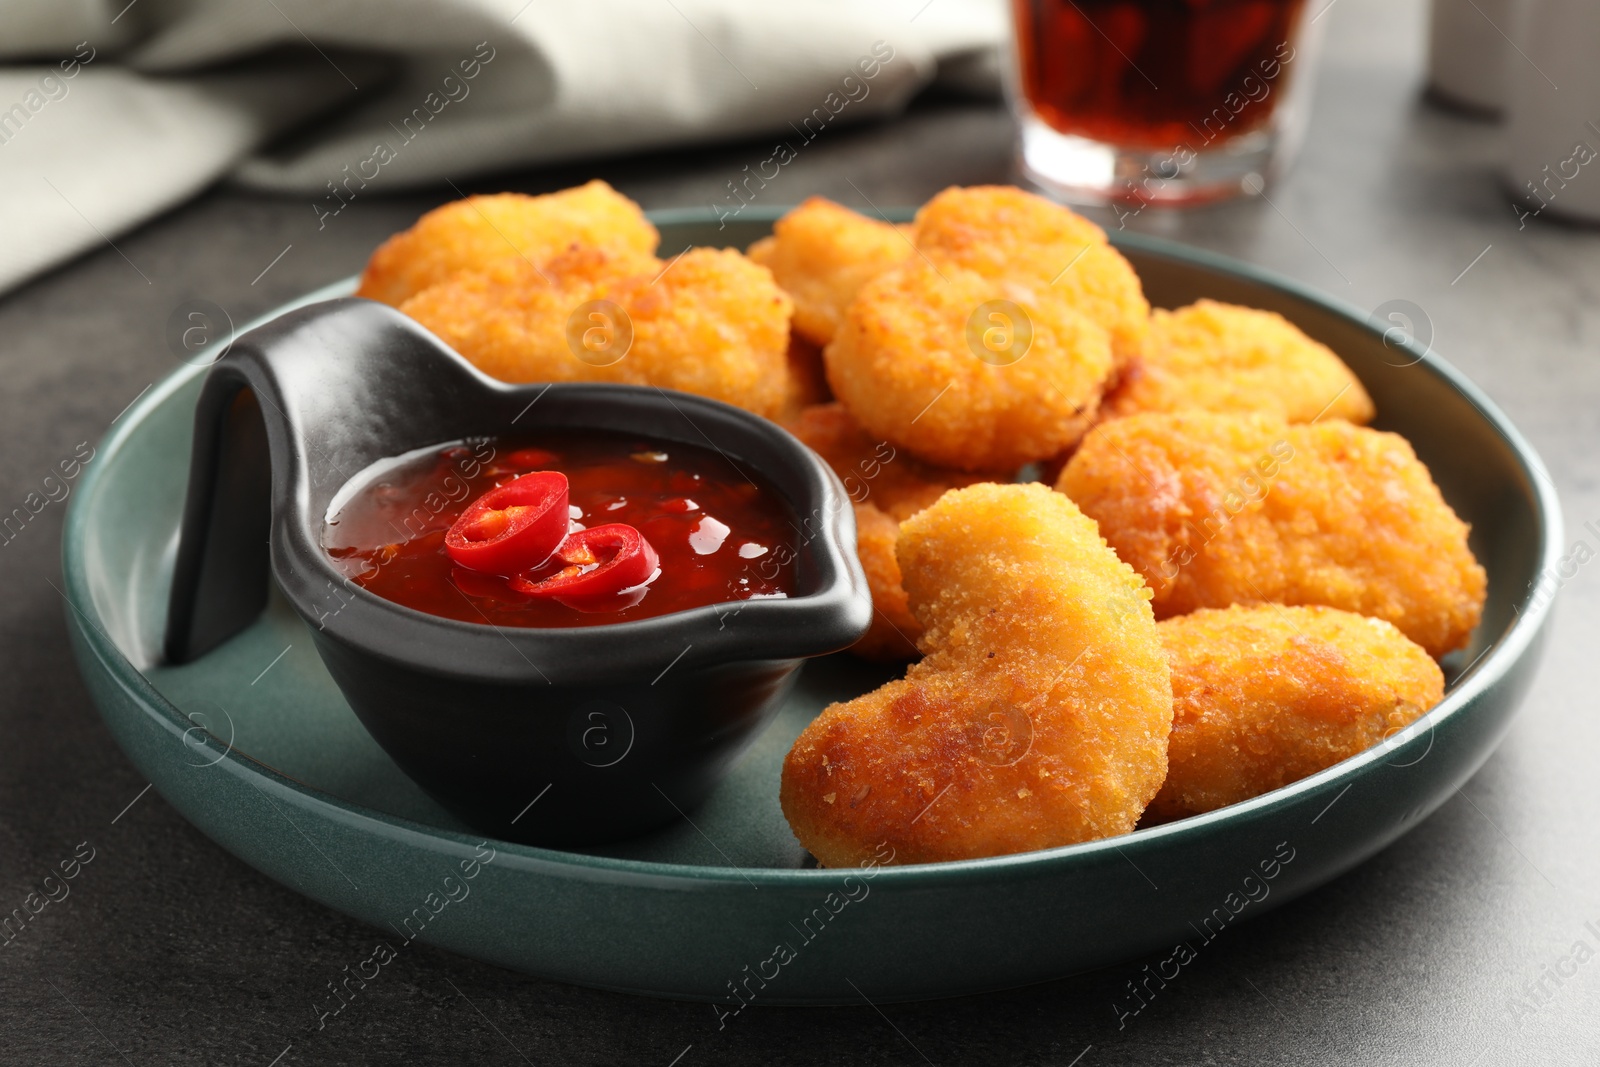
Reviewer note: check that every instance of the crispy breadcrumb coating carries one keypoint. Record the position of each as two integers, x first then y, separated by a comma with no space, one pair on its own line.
1211,356
1038,717
715,324
873,470
1000,231
1230,509
1266,695
711,323
510,321
821,254
910,366
888,486
808,379
475,233
894,632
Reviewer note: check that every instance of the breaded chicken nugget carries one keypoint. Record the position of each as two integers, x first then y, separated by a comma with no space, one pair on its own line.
713,323
873,470
889,487
1263,696
822,253
1220,357
1232,509
808,379
907,364
510,318
894,631
589,265
1000,231
471,234
1038,718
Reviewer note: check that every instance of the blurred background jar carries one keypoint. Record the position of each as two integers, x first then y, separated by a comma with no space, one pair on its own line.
1552,86
1466,53
1160,101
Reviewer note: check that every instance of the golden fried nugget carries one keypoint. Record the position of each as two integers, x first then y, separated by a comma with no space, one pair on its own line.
907,364
1000,231
822,253
474,233
712,323
873,470
888,487
808,379
1038,718
1234,509
1263,696
510,319
590,265
1220,357
715,324
894,631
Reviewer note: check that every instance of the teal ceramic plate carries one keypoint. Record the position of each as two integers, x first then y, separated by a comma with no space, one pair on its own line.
256,747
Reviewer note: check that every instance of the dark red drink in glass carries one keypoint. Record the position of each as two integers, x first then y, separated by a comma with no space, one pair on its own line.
1157,100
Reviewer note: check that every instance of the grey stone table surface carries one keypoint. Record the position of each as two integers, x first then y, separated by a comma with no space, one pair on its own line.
1455,945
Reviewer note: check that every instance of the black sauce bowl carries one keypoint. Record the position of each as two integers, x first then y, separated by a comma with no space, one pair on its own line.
547,736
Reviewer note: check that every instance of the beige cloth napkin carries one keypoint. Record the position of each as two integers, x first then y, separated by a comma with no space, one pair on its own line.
111,111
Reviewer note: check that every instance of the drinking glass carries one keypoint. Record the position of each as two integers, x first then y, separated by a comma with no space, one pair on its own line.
1160,101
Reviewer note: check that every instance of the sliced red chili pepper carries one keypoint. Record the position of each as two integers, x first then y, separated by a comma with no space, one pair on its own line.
512,527
594,564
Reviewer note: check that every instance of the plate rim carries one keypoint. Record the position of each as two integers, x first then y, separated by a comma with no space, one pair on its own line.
1492,664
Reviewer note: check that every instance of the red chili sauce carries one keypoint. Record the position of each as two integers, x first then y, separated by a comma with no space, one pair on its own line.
718,532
